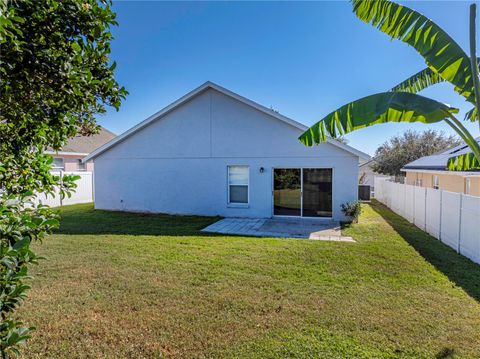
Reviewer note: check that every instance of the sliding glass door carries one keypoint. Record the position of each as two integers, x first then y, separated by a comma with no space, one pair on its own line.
317,192
303,192
287,192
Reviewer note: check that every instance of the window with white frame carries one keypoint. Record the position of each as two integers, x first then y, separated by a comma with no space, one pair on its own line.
238,177
467,185
58,163
435,182
418,180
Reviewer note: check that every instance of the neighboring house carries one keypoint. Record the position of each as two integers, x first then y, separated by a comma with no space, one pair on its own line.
431,171
366,175
213,152
76,148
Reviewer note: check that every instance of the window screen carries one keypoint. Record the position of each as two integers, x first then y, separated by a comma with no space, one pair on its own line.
238,184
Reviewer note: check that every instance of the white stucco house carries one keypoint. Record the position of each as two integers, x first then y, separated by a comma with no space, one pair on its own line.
213,152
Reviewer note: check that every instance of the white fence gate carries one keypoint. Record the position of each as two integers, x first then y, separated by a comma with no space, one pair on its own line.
453,218
82,194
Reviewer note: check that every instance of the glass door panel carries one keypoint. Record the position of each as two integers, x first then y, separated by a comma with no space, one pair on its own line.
317,192
287,189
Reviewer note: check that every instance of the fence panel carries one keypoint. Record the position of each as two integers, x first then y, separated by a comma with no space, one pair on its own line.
398,198
450,229
82,194
52,200
419,210
378,185
451,217
469,234
433,212
395,198
391,194
409,211
385,192
401,194
84,191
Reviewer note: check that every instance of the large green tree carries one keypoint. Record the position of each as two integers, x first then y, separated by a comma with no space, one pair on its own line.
445,60
55,77
394,154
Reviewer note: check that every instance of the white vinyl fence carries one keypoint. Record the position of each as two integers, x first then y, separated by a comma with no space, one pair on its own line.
82,194
453,218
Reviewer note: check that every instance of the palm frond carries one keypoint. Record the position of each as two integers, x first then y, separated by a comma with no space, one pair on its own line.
418,82
441,53
471,115
463,162
379,108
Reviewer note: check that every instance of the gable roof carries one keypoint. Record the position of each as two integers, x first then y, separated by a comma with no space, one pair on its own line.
438,161
210,85
85,144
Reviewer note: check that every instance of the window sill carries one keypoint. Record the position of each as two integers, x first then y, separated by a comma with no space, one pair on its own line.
238,205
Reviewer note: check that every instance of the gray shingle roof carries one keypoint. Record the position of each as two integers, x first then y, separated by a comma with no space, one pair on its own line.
87,144
438,162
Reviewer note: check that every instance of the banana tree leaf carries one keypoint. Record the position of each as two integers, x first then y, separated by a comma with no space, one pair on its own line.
471,115
379,108
426,78
464,162
441,53
418,82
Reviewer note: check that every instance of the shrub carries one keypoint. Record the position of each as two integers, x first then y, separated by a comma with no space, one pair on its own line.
352,210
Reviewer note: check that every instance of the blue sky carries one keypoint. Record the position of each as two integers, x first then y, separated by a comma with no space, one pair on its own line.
303,59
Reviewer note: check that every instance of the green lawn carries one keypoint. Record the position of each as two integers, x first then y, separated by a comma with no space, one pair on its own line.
119,285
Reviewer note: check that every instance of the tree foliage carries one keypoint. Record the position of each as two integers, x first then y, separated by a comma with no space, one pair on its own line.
56,76
399,150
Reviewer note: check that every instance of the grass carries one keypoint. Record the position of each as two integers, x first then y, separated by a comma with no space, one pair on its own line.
119,285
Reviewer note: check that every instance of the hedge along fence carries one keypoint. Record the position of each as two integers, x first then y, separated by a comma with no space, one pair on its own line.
82,194
453,218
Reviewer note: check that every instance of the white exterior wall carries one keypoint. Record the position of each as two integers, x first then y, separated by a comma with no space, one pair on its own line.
178,164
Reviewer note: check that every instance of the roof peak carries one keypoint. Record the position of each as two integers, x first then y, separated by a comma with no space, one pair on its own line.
206,85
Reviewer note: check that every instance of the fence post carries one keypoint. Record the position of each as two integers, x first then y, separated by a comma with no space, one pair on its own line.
425,211
92,180
460,223
440,220
59,195
413,200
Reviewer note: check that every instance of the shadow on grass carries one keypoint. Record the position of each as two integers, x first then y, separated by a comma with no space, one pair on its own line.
459,269
84,219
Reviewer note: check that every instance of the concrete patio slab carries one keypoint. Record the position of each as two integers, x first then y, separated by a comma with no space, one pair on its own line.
307,228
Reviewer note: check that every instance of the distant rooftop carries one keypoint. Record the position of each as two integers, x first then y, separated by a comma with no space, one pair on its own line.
87,144
438,161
